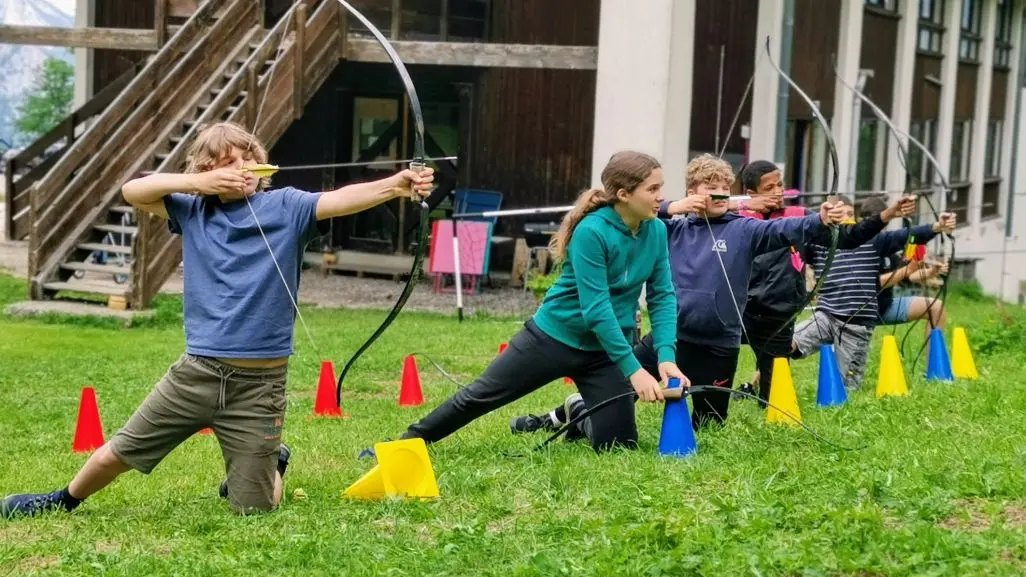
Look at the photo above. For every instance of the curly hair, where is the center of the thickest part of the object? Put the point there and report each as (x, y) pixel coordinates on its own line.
(708, 169)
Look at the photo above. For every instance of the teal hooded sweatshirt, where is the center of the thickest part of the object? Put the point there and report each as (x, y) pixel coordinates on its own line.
(592, 305)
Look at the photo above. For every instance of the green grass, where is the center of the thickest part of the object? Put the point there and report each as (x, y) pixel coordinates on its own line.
(938, 491)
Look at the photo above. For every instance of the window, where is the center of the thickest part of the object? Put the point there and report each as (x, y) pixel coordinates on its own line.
(992, 154)
(921, 168)
(961, 140)
(888, 5)
(931, 26)
(969, 42)
(1003, 39)
(864, 168)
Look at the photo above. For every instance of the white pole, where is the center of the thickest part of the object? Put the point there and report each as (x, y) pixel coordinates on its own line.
(456, 268)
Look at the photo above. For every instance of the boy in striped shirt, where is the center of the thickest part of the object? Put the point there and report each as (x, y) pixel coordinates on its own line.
(846, 309)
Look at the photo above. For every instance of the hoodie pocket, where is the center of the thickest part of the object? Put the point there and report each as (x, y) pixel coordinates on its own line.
(705, 312)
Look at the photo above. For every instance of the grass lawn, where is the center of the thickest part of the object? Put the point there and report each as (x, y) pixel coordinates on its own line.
(940, 489)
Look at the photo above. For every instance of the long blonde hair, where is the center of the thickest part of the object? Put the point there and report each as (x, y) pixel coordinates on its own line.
(216, 141)
(624, 171)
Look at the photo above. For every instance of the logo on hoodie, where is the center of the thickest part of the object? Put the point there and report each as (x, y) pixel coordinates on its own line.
(720, 245)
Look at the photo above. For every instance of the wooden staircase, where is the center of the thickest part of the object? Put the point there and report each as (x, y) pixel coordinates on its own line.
(220, 65)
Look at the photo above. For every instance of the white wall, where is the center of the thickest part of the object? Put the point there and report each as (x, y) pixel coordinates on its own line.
(643, 84)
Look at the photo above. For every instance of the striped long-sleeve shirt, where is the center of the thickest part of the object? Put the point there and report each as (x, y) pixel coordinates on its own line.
(854, 278)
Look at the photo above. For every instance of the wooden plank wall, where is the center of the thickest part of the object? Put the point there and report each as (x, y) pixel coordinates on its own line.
(109, 64)
(728, 23)
(817, 29)
(879, 45)
(532, 129)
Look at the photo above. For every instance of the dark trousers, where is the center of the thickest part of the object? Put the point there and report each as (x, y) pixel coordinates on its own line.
(759, 330)
(702, 365)
(532, 360)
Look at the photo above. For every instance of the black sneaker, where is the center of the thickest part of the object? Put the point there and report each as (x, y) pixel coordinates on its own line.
(31, 504)
(532, 423)
(284, 454)
(747, 388)
(574, 406)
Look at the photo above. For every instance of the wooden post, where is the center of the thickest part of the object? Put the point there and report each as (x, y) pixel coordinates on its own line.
(35, 289)
(397, 19)
(252, 95)
(343, 31)
(160, 22)
(443, 25)
(298, 98)
(9, 199)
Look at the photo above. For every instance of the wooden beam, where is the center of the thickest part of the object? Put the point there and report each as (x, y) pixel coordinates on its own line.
(160, 21)
(477, 54)
(357, 48)
(108, 38)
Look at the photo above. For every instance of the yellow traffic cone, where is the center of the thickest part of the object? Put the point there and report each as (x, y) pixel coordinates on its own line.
(890, 380)
(403, 469)
(962, 363)
(782, 398)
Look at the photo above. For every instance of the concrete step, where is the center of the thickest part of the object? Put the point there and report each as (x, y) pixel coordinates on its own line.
(97, 287)
(94, 267)
(100, 247)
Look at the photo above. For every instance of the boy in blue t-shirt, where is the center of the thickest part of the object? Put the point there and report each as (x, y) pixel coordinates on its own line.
(239, 315)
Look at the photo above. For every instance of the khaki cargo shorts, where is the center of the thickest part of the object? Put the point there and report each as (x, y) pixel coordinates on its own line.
(245, 407)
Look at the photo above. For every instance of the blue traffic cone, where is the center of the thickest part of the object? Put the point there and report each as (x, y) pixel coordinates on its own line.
(831, 386)
(677, 437)
(938, 368)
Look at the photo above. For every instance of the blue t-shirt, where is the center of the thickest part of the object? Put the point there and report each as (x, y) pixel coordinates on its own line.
(236, 305)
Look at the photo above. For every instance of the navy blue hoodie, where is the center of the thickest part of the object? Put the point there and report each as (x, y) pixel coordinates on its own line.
(705, 313)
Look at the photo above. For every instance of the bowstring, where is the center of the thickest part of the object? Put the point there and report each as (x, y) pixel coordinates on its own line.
(249, 147)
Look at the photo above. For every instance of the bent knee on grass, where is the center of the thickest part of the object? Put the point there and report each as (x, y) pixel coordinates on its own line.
(926, 307)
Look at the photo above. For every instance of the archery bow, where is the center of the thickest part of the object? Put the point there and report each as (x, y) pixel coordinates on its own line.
(834, 233)
(904, 155)
(416, 165)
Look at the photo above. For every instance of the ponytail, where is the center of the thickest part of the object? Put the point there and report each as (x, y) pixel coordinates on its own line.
(626, 170)
(589, 201)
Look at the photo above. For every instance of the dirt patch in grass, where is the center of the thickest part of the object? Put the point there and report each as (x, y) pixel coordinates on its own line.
(1015, 515)
(969, 516)
(37, 563)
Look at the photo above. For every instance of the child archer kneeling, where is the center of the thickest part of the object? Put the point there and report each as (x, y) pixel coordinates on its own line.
(611, 244)
(711, 253)
(239, 318)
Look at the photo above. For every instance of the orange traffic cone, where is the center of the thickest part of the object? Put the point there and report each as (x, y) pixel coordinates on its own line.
(88, 429)
(326, 404)
(568, 381)
(206, 431)
(410, 395)
(502, 347)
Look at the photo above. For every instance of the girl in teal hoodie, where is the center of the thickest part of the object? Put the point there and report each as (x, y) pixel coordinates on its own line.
(611, 244)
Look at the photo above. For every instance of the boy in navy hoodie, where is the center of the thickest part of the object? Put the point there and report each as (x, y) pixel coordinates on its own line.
(711, 253)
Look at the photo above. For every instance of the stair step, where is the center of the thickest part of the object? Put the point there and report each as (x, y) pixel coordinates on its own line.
(123, 209)
(117, 228)
(93, 267)
(110, 288)
(100, 247)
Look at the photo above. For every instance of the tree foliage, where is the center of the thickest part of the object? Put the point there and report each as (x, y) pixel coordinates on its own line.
(50, 100)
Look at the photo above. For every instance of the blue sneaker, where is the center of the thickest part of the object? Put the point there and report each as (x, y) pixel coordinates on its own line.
(284, 454)
(31, 504)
